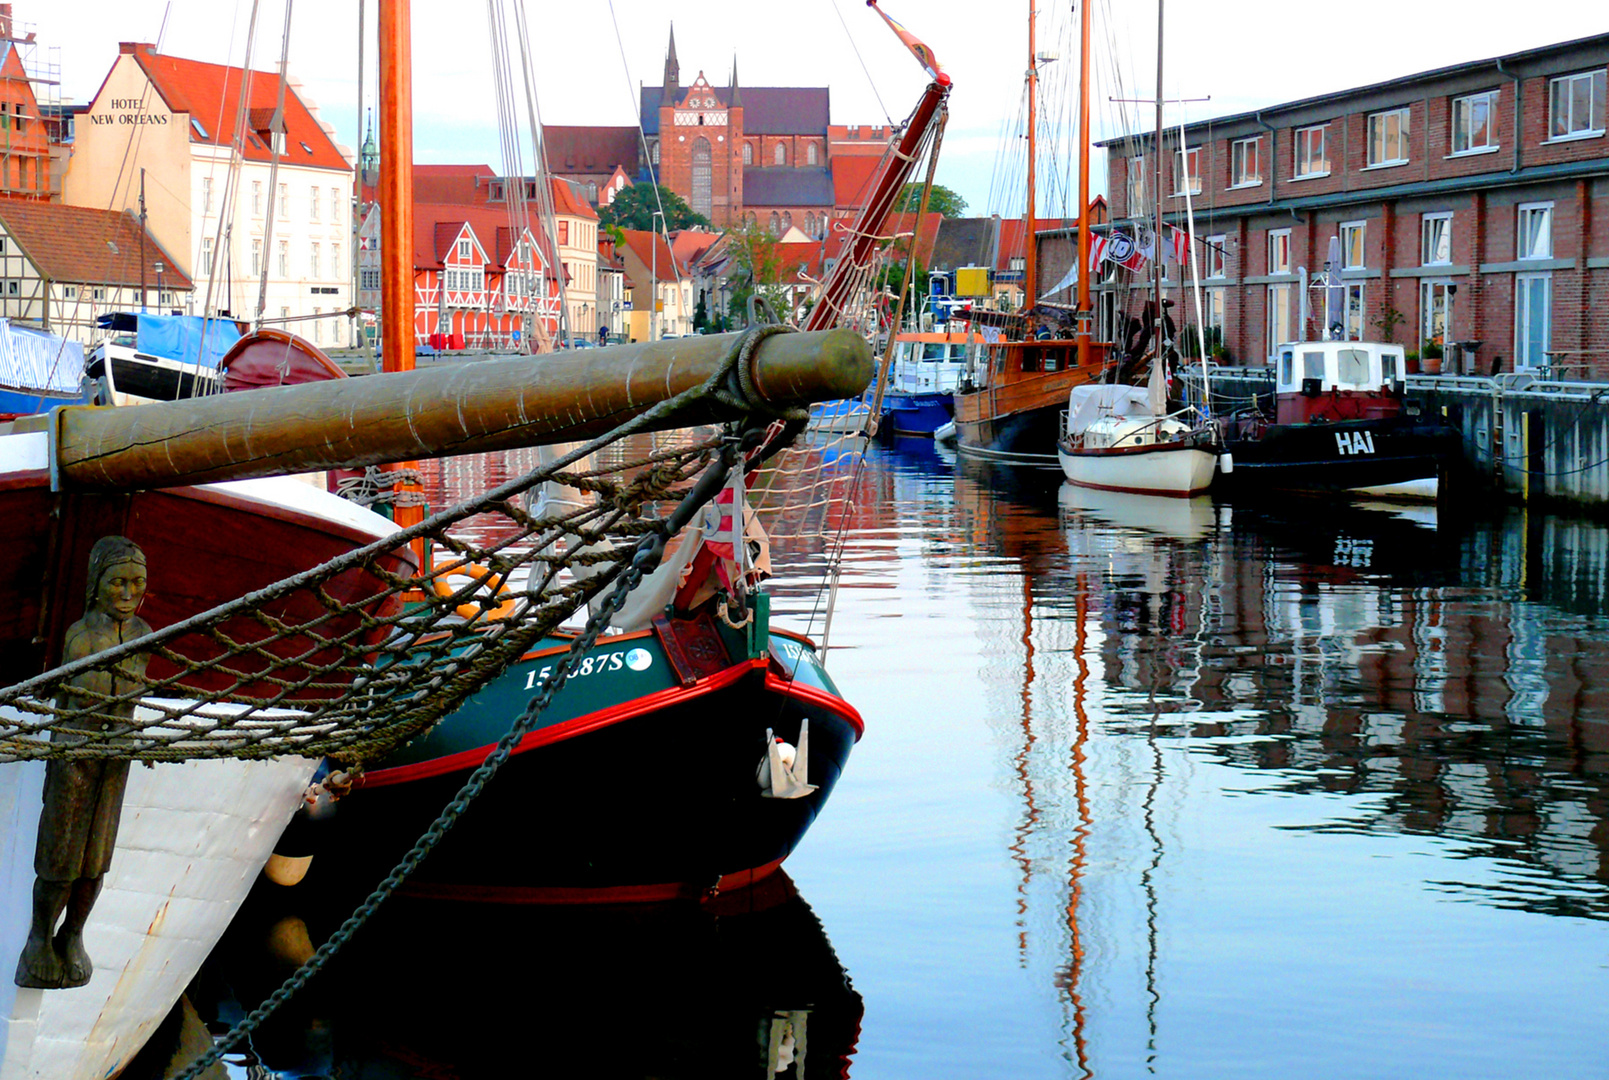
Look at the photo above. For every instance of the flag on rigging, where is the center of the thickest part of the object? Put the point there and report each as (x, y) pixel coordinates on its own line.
(1178, 245)
(923, 54)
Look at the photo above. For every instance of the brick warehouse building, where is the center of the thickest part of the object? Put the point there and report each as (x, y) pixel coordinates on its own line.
(738, 154)
(1472, 201)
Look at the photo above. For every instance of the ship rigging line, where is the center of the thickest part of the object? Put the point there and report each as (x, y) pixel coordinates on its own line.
(137, 133)
(276, 145)
(856, 49)
(653, 172)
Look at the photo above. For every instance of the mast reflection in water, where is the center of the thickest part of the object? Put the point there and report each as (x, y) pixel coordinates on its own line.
(1149, 787)
(1164, 786)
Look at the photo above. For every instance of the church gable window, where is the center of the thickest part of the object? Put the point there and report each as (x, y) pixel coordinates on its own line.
(810, 154)
(701, 176)
(748, 153)
(782, 154)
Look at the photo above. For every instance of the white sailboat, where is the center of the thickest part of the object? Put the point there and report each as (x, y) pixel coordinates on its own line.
(1117, 437)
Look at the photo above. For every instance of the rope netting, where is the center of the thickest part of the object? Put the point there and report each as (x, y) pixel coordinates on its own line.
(353, 657)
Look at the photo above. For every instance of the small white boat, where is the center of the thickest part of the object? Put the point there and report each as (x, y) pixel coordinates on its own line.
(1113, 440)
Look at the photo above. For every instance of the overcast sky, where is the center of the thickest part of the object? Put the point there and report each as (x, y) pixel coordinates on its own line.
(1242, 54)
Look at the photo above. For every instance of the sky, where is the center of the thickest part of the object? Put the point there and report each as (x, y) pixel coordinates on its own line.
(588, 57)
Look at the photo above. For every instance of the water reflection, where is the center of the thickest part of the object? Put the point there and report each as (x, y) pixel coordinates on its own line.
(745, 986)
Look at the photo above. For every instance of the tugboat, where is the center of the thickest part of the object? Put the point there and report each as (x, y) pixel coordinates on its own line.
(1341, 424)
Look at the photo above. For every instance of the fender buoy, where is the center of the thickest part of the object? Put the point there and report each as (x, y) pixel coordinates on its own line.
(491, 582)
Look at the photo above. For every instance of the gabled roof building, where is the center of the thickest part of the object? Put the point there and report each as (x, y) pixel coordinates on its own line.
(62, 267)
(171, 121)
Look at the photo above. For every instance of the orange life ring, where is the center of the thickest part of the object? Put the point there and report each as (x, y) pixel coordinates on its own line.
(492, 582)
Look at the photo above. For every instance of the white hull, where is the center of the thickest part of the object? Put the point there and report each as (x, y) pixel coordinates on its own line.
(1153, 469)
(840, 417)
(1423, 490)
(193, 839)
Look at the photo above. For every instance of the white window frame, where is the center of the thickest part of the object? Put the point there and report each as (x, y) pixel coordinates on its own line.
(314, 262)
(1524, 360)
(1346, 231)
(463, 249)
(284, 258)
(1187, 165)
(1435, 230)
(1279, 240)
(1387, 138)
(1136, 184)
(257, 198)
(312, 204)
(1216, 258)
(1216, 300)
(1525, 217)
(206, 255)
(1277, 322)
(206, 194)
(1468, 104)
(1590, 126)
(1239, 175)
(1428, 289)
(1352, 317)
(1304, 164)
(284, 200)
(256, 257)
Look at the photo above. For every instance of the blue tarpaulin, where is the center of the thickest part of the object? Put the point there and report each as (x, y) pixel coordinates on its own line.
(176, 337)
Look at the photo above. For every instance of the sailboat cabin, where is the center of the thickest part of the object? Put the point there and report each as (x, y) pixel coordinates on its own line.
(1337, 380)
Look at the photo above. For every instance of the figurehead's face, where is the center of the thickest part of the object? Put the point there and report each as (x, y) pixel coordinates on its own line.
(121, 588)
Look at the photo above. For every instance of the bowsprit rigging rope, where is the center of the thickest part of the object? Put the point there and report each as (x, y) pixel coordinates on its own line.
(354, 656)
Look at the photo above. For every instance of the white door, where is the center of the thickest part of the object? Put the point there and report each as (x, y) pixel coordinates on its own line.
(1532, 296)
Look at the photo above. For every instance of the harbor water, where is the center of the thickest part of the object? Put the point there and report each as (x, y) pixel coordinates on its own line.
(1148, 788)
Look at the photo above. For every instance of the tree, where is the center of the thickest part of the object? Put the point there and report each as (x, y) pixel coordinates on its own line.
(758, 269)
(634, 207)
(940, 201)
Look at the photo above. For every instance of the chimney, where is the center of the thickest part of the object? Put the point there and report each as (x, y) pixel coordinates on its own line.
(129, 48)
(5, 20)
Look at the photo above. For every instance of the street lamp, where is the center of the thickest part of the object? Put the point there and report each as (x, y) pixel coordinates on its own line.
(653, 300)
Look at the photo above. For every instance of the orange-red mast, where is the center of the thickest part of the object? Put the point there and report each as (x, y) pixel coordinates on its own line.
(396, 209)
(1029, 283)
(1084, 315)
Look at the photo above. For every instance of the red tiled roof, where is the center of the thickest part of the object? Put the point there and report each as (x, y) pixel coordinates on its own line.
(852, 180)
(643, 245)
(210, 94)
(566, 201)
(463, 184)
(689, 245)
(591, 149)
(1011, 246)
(87, 245)
(925, 236)
(791, 258)
(437, 225)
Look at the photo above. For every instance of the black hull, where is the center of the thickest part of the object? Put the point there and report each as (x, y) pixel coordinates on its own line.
(655, 806)
(1028, 437)
(1342, 457)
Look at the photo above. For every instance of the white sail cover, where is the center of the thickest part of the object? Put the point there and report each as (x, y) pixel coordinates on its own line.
(35, 360)
(1098, 401)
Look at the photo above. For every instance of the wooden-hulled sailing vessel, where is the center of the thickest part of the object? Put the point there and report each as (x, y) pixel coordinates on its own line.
(203, 487)
(1012, 410)
(689, 755)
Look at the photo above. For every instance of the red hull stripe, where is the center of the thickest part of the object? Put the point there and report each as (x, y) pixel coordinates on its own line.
(607, 894)
(1165, 493)
(581, 725)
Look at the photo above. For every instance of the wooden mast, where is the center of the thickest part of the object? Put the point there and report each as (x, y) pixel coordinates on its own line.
(396, 211)
(1084, 315)
(1030, 291)
(437, 411)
